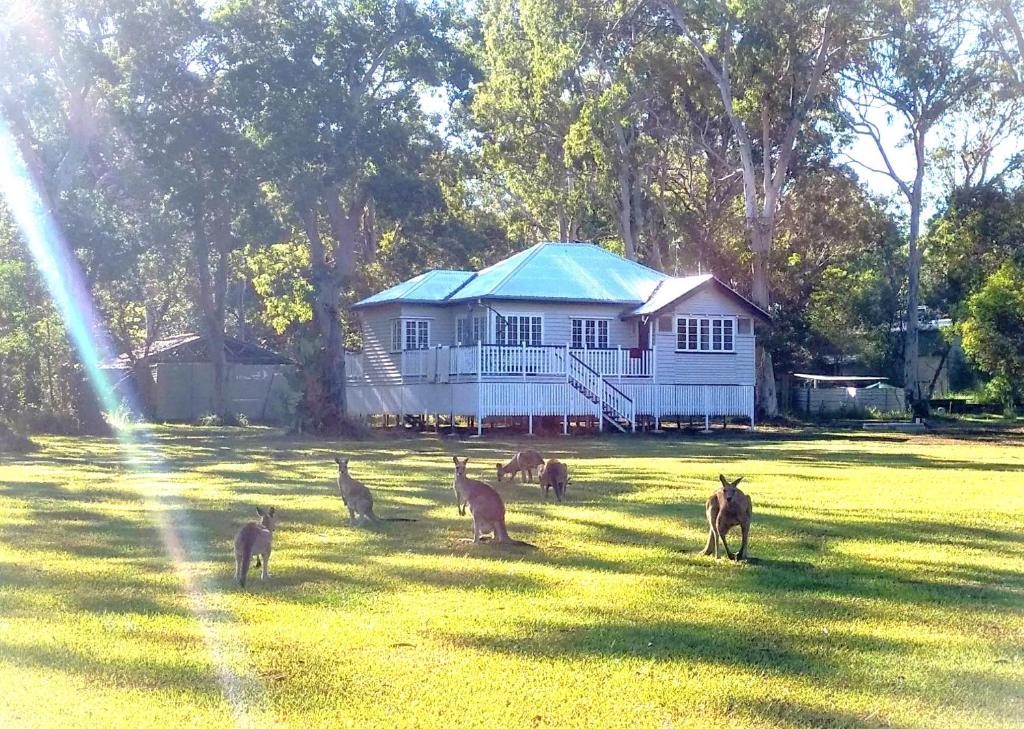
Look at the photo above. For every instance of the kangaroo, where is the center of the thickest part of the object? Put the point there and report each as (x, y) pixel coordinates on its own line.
(726, 508)
(254, 538)
(554, 475)
(523, 463)
(485, 505)
(356, 496)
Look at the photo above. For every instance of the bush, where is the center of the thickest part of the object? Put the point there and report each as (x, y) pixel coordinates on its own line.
(14, 441)
(215, 421)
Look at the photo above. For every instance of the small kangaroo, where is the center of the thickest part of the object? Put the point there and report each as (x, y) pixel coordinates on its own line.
(485, 505)
(356, 496)
(523, 463)
(726, 508)
(255, 538)
(554, 475)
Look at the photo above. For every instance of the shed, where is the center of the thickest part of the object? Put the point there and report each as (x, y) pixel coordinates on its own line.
(182, 379)
(845, 394)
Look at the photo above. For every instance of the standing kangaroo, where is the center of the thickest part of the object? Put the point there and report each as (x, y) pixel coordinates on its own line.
(523, 463)
(554, 475)
(485, 505)
(356, 496)
(726, 508)
(254, 538)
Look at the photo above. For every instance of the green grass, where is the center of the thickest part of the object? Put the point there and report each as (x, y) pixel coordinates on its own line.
(886, 589)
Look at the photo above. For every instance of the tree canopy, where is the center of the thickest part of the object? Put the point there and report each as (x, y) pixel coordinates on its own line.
(251, 168)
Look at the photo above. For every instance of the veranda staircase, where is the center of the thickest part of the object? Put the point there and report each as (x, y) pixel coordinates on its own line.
(617, 408)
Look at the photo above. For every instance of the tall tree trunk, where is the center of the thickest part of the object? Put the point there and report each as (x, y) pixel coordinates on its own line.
(911, 386)
(212, 287)
(938, 370)
(326, 403)
(626, 215)
(760, 245)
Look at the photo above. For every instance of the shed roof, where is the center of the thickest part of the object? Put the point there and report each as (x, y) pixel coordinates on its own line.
(191, 347)
(838, 378)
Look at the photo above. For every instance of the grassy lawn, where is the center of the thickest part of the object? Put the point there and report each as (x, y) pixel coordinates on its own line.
(886, 589)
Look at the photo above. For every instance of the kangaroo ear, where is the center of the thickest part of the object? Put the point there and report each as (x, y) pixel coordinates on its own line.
(737, 481)
(455, 459)
(723, 479)
(337, 460)
(272, 510)
(259, 510)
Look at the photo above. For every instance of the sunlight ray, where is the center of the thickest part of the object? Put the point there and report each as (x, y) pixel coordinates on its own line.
(62, 276)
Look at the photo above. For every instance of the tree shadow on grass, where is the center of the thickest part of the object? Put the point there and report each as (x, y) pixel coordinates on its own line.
(148, 673)
(722, 643)
(794, 713)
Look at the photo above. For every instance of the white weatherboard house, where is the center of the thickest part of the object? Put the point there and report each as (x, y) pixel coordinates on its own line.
(560, 329)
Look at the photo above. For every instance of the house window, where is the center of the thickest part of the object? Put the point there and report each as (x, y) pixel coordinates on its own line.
(589, 334)
(705, 334)
(469, 330)
(518, 329)
(743, 325)
(410, 334)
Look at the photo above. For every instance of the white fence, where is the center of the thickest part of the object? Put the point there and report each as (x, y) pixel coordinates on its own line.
(510, 399)
(664, 401)
(444, 363)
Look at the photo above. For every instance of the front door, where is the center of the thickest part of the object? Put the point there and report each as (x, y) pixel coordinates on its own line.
(643, 339)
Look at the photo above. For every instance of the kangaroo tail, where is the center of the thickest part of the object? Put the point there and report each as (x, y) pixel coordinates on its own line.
(519, 543)
(502, 537)
(246, 560)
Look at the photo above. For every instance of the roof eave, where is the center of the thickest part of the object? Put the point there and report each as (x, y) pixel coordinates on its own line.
(755, 309)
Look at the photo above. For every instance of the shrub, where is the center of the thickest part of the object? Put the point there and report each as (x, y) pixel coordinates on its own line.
(13, 440)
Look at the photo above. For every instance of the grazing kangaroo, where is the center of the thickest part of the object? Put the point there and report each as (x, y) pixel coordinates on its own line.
(485, 505)
(523, 463)
(554, 475)
(726, 508)
(254, 538)
(356, 496)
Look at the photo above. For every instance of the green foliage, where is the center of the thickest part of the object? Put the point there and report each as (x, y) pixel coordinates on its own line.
(979, 229)
(278, 275)
(838, 273)
(993, 330)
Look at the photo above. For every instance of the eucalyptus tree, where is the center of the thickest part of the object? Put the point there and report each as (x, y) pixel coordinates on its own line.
(774, 66)
(172, 102)
(329, 94)
(532, 60)
(919, 69)
(58, 81)
(633, 132)
(1000, 21)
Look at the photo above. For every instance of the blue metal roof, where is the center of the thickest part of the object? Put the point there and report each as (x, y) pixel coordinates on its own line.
(432, 287)
(563, 272)
(578, 272)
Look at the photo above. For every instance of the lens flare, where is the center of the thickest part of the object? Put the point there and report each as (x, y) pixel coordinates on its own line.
(63, 278)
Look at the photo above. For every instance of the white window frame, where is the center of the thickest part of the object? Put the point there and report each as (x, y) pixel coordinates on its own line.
(401, 333)
(501, 322)
(704, 331)
(597, 321)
